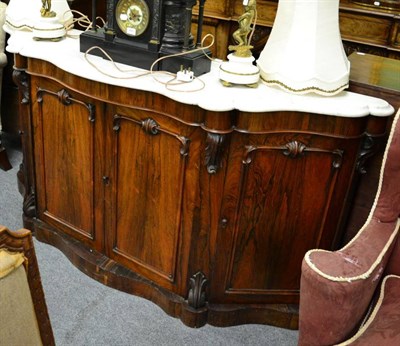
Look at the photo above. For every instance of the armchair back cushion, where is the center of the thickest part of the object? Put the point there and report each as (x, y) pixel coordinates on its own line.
(24, 319)
(18, 325)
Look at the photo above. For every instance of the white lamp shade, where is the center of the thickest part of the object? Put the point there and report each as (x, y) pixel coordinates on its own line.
(24, 14)
(304, 52)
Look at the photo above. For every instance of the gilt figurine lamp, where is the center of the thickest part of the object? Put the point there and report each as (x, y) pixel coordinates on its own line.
(304, 52)
(239, 69)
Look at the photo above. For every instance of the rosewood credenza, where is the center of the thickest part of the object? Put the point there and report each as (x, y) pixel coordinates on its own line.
(203, 202)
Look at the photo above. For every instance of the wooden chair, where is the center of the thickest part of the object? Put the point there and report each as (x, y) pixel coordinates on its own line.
(352, 296)
(24, 317)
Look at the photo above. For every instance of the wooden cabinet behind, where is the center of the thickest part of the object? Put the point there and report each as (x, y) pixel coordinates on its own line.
(368, 29)
(208, 214)
(373, 29)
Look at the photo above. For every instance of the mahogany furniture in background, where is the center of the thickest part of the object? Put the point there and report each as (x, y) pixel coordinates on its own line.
(375, 76)
(379, 77)
(384, 4)
(206, 213)
(370, 29)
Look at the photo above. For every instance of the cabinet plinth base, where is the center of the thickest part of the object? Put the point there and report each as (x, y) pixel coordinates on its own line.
(112, 274)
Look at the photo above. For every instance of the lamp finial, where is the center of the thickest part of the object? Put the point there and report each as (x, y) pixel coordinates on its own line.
(46, 11)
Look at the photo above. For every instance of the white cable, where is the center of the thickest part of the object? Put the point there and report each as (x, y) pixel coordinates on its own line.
(167, 84)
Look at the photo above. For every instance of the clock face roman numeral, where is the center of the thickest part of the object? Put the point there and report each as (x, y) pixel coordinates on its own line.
(132, 16)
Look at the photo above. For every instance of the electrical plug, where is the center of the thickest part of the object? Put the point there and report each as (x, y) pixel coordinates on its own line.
(185, 75)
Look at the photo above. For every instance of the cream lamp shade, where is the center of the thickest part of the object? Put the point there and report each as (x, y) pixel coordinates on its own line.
(26, 15)
(304, 52)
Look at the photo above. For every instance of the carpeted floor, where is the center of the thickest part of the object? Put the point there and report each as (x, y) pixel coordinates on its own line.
(85, 312)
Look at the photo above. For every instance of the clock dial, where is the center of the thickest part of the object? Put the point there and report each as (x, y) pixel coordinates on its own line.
(132, 16)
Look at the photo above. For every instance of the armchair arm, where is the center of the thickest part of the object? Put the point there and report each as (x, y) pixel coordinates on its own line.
(337, 287)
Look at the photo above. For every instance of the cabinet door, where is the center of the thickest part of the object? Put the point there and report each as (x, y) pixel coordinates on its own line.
(283, 195)
(154, 163)
(67, 142)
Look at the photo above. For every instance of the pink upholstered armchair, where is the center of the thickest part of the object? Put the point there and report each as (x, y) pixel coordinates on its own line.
(352, 296)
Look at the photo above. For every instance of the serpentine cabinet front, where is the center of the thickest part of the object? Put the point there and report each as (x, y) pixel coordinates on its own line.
(208, 214)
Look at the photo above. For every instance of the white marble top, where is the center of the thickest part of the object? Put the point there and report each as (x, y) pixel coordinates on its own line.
(215, 97)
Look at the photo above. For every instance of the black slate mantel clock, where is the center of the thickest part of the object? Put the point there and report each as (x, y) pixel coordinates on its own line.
(137, 32)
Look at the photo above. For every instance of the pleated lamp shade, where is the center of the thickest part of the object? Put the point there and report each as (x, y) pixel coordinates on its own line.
(304, 52)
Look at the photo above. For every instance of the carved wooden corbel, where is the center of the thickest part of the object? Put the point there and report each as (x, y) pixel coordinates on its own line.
(197, 290)
(214, 151)
(29, 204)
(368, 149)
(21, 79)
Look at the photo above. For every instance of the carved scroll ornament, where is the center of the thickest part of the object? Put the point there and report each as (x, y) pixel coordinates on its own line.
(65, 98)
(151, 127)
(293, 150)
(214, 151)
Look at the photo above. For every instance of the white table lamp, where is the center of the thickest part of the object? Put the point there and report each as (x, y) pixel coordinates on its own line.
(304, 52)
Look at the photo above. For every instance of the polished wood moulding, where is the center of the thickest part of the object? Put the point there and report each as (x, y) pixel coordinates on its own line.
(111, 273)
